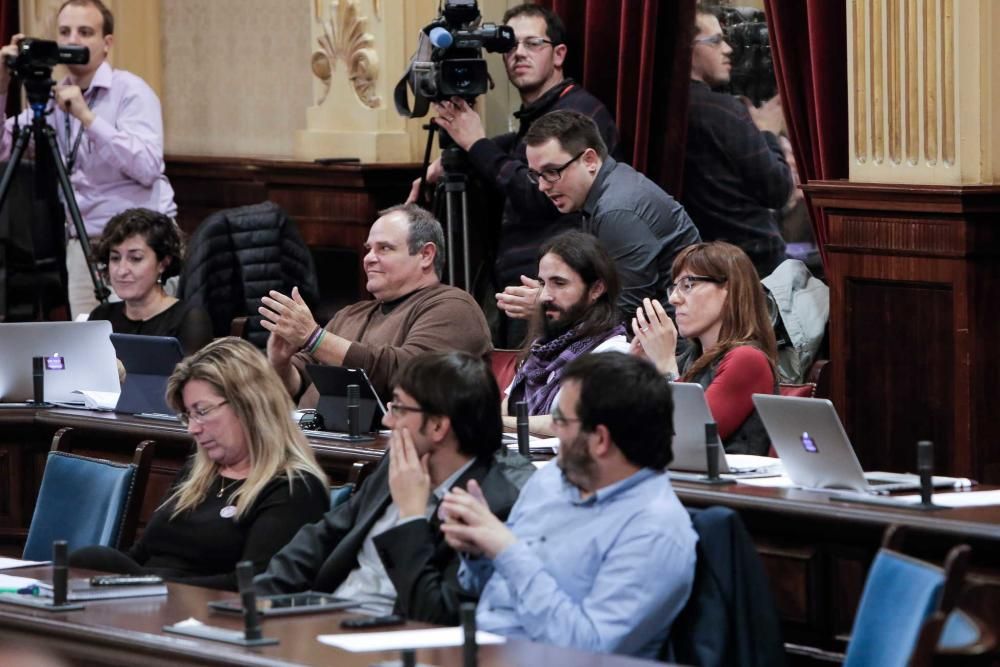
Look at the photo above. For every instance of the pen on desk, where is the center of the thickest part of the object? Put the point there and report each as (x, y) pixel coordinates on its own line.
(27, 590)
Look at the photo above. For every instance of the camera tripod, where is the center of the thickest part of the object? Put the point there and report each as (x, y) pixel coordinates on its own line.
(38, 91)
(453, 188)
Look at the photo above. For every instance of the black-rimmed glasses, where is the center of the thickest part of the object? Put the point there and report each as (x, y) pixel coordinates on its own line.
(397, 410)
(552, 174)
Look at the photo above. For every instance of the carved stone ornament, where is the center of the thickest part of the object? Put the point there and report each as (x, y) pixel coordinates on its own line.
(344, 39)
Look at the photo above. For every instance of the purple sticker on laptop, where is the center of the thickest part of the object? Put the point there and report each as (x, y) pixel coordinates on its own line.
(808, 443)
(55, 363)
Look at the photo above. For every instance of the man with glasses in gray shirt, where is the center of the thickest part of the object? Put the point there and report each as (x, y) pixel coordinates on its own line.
(640, 225)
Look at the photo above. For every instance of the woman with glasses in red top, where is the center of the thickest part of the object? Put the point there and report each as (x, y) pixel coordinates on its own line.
(720, 308)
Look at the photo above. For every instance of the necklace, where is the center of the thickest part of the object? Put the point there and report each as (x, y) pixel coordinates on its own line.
(225, 485)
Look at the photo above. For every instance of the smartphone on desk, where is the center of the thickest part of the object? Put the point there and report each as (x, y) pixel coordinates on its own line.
(366, 622)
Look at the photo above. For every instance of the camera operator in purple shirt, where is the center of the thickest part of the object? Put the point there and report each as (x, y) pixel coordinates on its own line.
(109, 128)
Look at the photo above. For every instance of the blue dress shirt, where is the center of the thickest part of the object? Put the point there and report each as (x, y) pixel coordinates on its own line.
(608, 573)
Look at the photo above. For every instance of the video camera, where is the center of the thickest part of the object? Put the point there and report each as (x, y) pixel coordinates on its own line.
(752, 66)
(449, 59)
(36, 57)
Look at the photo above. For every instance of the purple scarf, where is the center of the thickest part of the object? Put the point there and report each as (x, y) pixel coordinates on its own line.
(541, 371)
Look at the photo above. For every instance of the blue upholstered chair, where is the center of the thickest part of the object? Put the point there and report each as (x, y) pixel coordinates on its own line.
(903, 607)
(87, 501)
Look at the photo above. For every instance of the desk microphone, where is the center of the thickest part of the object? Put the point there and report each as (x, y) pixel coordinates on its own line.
(925, 468)
(354, 410)
(60, 571)
(523, 432)
(470, 649)
(38, 379)
(712, 450)
(244, 580)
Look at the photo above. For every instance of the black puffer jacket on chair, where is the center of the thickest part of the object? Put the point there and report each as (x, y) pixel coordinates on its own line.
(239, 254)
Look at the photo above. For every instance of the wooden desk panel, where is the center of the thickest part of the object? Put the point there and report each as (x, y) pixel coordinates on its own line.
(817, 552)
(128, 633)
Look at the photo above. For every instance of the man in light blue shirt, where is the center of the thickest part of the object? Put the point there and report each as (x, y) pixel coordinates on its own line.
(597, 553)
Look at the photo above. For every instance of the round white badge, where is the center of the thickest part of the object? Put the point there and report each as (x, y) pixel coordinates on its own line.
(228, 512)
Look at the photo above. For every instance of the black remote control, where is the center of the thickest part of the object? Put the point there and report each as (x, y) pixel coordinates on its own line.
(364, 622)
(125, 580)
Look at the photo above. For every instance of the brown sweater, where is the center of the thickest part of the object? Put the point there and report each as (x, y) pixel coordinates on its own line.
(384, 335)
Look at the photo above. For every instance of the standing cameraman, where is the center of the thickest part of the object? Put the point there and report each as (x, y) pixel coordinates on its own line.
(109, 128)
(535, 68)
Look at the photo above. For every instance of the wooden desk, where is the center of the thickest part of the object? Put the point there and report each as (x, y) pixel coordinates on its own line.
(128, 632)
(817, 552)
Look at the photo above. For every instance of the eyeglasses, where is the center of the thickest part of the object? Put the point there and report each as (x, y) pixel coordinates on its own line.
(397, 410)
(687, 283)
(552, 174)
(715, 41)
(530, 43)
(198, 415)
(559, 420)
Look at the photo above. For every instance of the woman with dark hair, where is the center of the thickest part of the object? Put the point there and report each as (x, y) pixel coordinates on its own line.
(138, 251)
(720, 307)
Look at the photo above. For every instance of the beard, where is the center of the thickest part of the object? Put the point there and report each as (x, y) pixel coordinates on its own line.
(568, 318)
(577, 465)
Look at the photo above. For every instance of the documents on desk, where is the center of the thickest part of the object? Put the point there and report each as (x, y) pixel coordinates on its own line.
(362, 642)
(958, 499)
(13, 563)
(98, 400)
(80, 590)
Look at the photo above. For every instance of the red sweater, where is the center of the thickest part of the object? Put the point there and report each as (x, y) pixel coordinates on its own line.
(744, 371)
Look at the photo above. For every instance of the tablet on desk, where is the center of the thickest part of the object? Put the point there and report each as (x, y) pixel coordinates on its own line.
(308, 602)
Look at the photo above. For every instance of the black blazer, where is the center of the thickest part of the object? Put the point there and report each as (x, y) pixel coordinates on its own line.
(421, 565)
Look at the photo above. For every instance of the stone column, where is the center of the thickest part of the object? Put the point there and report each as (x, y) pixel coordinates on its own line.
(923, 103)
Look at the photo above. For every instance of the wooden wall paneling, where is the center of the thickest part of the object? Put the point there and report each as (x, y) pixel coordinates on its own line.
(332, 205)
(914, 288)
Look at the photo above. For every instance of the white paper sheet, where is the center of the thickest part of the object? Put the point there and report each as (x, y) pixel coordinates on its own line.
(98, 400)
(9, 583)
(961, 499)
(751, 463)
(11, 563)
(780, 481)
(361, 642)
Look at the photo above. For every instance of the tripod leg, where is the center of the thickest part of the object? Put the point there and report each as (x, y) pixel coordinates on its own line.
(16, 153)
(101, 291)
(465, 241)
(449, 222)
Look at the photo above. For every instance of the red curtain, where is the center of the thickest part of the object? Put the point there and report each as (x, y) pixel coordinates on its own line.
(809, 47)
(633, 55)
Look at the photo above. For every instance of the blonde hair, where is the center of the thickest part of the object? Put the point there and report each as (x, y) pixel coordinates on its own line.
(745, 320)
(241, 374)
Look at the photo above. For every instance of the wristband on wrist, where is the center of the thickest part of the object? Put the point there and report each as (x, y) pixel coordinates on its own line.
(319, 339)
(671, 376)
(312, 338)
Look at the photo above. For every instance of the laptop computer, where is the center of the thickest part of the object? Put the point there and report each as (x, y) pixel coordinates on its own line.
(331, 383)
(691, 413)
(78, 355)
(148, 362)
(816, 452)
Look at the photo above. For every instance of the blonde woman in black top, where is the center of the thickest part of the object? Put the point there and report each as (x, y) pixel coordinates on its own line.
(251, 484)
